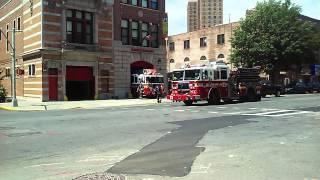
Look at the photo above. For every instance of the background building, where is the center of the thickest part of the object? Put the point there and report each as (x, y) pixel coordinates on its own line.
(64, 51)
(192, 16)
(138, 40)
(204, 13)
(210, 44)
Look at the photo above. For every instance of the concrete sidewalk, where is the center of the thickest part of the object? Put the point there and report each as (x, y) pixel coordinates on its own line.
(29, 104)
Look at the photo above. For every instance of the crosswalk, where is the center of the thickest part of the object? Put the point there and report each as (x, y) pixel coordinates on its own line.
(263, 112)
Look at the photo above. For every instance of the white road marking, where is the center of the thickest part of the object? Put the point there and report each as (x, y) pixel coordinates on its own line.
(269, 112)
(150, 109)
(253, 108)
(221, 107)
(40, 165)
(293, 113)
(179, 110)
(211, 112)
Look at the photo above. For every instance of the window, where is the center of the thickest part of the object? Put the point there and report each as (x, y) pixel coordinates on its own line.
(203, 58)
(8, 72)
(0, 34)
(134, 2)
(171, 61)
(186, 59)
(144, 3)
(171, 46)
(19, 23)
(144, 34)
(32, 70)
(186, 44)
(14, 24)
(79, 27)
(7, 40)
(221, 56)
(154, 4)
(135, 33)
(125, 32)
(203, 42)
(220, 39)
(154, 35)
(224, 73)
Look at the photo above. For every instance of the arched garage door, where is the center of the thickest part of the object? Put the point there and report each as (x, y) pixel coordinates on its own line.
(80, 83)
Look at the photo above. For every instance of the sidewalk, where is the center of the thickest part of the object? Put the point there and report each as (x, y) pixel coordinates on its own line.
(29, 104)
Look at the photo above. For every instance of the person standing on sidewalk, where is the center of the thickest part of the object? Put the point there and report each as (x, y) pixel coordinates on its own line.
(158, 93)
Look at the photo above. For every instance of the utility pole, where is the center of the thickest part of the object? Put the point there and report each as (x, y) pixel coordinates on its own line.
(13, 69)
(13, 65)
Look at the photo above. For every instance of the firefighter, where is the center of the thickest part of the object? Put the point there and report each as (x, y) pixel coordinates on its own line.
(158, 93)
(140, 90)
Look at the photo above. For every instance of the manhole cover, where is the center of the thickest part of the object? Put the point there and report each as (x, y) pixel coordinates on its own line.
(101, 176)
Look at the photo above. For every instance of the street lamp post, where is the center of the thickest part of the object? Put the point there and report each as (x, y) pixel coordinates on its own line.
(14, 94)
(13, 65)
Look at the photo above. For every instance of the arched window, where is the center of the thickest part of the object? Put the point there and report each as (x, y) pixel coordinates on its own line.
(203, 58)
(171, 61)
(221, 56)
(186, 59)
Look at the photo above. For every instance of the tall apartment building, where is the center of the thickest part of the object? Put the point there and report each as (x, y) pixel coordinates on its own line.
(204, 13)
(192, 15)
(138, 40)
(64, 51)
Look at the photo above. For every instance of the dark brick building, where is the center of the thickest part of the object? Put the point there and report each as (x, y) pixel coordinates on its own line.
(138, 40)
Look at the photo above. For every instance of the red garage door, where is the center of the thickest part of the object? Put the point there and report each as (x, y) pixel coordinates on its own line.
(80, 83)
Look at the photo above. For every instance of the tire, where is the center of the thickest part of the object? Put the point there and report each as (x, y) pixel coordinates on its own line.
(188, 102)
(278, 93)
(214, 98)
(258, 98)
(251, 95)
(263, 95)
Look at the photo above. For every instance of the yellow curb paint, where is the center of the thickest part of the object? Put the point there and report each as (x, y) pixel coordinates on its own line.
(8, 108)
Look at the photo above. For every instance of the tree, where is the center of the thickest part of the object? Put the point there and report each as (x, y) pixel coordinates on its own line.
(274, 34)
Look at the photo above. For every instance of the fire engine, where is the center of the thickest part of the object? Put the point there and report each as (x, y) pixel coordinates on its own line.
(147, 80)
(215, 82)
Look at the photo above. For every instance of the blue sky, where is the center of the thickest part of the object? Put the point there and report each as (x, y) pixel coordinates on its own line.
(177, 11)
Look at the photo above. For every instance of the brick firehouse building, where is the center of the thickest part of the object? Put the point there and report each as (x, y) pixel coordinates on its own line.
(81, 50)
(64, 51)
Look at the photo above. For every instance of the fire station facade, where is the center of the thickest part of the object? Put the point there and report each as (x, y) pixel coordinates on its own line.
(79, 50)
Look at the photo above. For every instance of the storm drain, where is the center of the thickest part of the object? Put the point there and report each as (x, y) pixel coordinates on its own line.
(101, 176)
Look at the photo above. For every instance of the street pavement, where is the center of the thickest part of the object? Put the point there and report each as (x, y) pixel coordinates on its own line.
(277, 138)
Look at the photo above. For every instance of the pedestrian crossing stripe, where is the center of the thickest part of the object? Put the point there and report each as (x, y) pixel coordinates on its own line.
(278, 113)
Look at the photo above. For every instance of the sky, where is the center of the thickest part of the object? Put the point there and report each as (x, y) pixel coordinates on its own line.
(177, 11)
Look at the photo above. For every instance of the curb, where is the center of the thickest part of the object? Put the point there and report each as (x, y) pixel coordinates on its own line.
(8, 108)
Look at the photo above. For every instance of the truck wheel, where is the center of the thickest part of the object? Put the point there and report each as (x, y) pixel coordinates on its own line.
(258, 98)
(278, 93)
(188, 102)
(251, 95)
(214, 98)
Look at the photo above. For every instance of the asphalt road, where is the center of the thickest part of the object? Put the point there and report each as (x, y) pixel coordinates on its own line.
(277, 138)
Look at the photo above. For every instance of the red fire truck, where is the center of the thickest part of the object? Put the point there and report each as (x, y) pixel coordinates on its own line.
(143, 84)
(215, 82)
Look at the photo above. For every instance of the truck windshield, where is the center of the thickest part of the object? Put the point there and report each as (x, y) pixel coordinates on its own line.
(177, 76)
(192, 74)
(154, 79)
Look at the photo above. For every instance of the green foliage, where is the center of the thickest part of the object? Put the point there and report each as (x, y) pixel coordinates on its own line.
(274, 33)
(3, 94)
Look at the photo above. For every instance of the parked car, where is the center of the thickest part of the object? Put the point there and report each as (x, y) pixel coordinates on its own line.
(297, 88)
(268, 88)
(313, 87)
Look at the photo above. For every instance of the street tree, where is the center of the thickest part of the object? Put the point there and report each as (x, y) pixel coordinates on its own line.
(274, 36)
